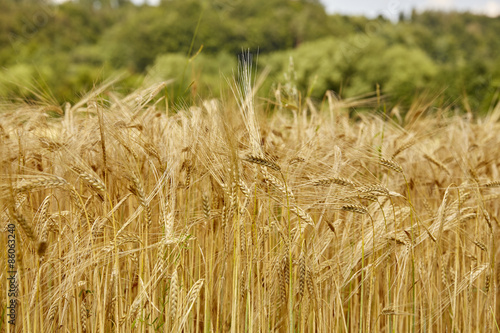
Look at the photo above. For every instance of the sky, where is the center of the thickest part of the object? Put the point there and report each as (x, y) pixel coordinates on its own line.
(391, 8)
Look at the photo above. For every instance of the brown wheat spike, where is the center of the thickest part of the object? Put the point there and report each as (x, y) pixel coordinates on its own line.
(243, 283)
(52, 310)
(129, 149)
(487, 219)
(282, 278)
(334, 180)
(269, 178)
(481, 246)
(174, 289)
(495, 183)
(246, 192)
(243, 238)
(169, 225)
(302, 274)
(110, 299)
(83, 314)
(263, 161)
(388, 311)
(189, 169)
(397, 240)
(444, 269)
(43, 244)
(141, 195)
(42, 211)
(403, 148)
(286, 266)
(39, 182)
(302, 214)
(369, 197)
(75, 197)
(126, 237)
(151, 150)
(375, 190)
(193, 294)
(355, 209)
(391, 165)
(233, 203)
(305, 313)
(35, 289)
(469, 288)
(437, 163)
(310, 285)
(206, 207)
(136, 304)
(243, 188)
(92, 181)
(427, 206)
(25, 225)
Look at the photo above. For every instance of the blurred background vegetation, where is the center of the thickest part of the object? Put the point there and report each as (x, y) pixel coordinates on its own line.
(58, 52)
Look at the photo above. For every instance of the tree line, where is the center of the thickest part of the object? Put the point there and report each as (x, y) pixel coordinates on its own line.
(58, 52)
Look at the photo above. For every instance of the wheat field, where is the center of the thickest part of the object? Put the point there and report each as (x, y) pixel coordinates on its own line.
(248, 215)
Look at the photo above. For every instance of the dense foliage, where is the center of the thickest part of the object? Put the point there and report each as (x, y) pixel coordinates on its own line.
(58, 52)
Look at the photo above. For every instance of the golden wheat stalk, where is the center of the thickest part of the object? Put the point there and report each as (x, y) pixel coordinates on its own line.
(285, 190)
(30, 183)
(25, 225)
(334, 180)
(437, 163)
(141, 195)
(302, 214)
(393, 165)
(89, 179)
(174, 290)
(495, 183)
(83, 314)
(355, 209)
(263, 161)
(206, 207)
(302, 273)
(191, 298)
(374, 189)
(402, 148)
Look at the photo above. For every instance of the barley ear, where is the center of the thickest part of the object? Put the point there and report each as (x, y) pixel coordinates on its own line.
(174, 289)
(393, 165)
(263, 161)
(302, 274)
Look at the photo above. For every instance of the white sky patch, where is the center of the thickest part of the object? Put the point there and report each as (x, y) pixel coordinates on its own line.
(440, 4)
(391, 8)
(490, 8)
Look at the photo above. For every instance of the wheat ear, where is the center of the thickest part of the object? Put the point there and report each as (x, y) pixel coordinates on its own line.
(141, 195)
(39, 182)
(355, 209)
(334, 180)
(89, 179)
(393, 165)
(263, 161)
(174, 289)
